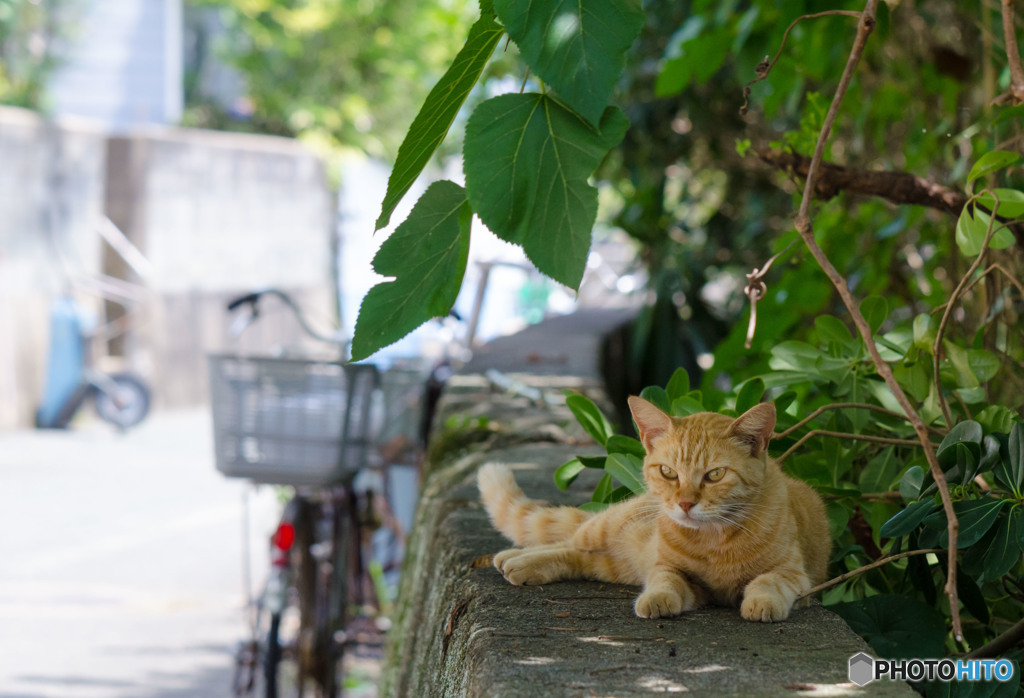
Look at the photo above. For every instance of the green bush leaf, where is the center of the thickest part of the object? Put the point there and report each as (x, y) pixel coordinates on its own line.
(750, 394)
(604, 489)
(685, 406)
(1015, 462)
(976, 517)
(567, 472)
(910, 483)
(626, 445)
(577, 48)
(990, 162)
(972, 597)
(961, 364)
(678, 385)
(968, 433)
(1018, 515)
(1011, 202)
(527, 160)
(830, 328)
(628, 470)
(1003, 551)
(880, 472)
(596, 462)
(874, 309)
(896, 626)
(657, 396)
(438, 112)
(427, 256)
(590, 417)
(984, 364)
(972, 228)
(907, 520)
(996, 418)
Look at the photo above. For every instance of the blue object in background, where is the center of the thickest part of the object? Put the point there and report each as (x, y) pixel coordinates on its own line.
(67, 360)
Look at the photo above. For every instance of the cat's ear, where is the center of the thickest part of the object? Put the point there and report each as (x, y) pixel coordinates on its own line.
(754, 427)
(650, 421)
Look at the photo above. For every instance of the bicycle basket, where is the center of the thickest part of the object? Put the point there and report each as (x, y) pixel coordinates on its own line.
(403, 395)
(290, 421)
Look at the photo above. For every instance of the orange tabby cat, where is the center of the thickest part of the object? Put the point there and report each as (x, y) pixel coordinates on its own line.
(720, 523)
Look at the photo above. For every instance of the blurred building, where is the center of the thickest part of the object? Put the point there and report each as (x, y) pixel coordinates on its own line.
(123, 66)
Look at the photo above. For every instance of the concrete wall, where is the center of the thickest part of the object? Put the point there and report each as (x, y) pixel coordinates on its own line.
(215, 214)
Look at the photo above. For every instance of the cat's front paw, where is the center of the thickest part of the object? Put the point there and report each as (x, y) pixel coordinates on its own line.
(764, 606)
(659, 604)
(523, 567)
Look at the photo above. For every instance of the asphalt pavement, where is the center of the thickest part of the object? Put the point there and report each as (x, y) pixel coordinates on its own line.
(121, 561)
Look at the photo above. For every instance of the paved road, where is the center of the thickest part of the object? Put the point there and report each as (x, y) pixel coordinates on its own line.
(121, 562)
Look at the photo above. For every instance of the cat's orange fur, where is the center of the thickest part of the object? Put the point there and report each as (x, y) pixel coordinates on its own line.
(743, 535)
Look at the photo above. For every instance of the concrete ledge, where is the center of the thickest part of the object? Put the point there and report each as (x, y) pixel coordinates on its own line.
(461, 630)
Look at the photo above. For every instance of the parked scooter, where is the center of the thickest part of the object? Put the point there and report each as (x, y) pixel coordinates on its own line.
(122, 399)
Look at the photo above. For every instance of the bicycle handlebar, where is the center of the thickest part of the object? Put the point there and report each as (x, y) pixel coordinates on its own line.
(252, 300)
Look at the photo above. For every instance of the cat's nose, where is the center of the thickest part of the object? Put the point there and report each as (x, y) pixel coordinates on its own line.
(686, 506)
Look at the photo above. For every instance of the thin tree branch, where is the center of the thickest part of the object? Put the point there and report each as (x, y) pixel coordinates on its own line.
(897, 187)
(1012, 52)
(937, 347)
(1000, 644)
(764, 68)
(860, 570)
(844, 435)
(995, 266)
(842, 406)
(804, 227)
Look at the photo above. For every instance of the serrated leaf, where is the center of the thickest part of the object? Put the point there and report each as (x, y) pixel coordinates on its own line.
(439, 110)
(990, 162)
(678, 384)
(527, 160)
(590, 417)
(577, 48)
(427, 256)
(1003, 550)
(626, 445)
(628, 470)
(567, 472)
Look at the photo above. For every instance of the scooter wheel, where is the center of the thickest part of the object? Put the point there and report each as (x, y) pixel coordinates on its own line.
(128, 406)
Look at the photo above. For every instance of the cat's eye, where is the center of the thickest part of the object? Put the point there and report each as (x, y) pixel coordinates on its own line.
(714, 475)
(668, 473)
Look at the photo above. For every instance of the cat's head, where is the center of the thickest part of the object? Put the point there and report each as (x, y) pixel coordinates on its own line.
(706, 468)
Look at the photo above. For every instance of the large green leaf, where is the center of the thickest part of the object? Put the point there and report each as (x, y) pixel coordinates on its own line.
(438, 111)
(678, 384)
(627, 445)
(590, 417)
(908, 519)
(1003, 551)
(427, 255)
(991, 162)
(579, 48)
(976, 517)
(527, 159)
(880, 472)
(1011, 202)
(567, 472)
(628, 470)
(896, 626)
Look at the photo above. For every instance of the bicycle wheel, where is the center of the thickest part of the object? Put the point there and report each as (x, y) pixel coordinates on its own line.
(332, 607)
(127, 405)
(272, 656)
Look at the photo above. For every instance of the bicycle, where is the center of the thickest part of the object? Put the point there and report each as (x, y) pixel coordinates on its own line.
(312, 424)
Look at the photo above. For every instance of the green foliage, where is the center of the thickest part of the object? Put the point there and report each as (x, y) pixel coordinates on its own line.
(435, 238)
(31, 36)
(527, 158)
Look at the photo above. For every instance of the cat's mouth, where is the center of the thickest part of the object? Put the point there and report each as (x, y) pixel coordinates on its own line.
(686, 520)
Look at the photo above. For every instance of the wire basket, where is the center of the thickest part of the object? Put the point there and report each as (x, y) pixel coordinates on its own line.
(291, 421)
(403, 398)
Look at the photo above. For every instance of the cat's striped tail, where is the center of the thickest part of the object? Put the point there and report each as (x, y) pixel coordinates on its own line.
(521, 519)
